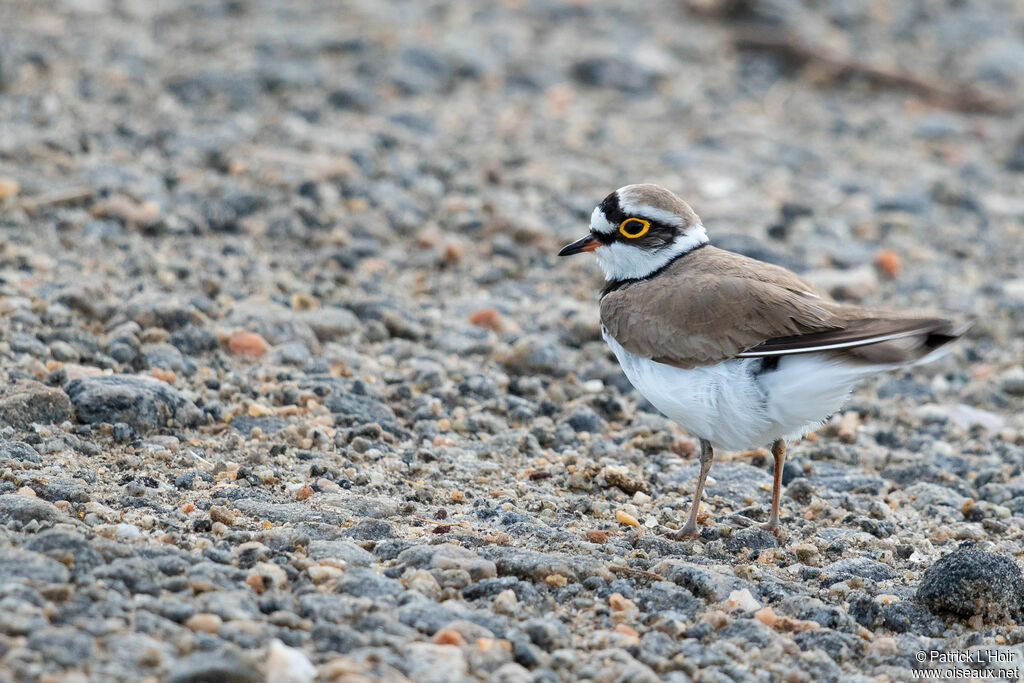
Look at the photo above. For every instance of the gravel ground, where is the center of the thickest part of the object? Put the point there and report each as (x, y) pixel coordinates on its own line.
(294, 386)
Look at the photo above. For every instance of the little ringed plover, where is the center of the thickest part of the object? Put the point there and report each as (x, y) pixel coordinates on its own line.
(738, 352)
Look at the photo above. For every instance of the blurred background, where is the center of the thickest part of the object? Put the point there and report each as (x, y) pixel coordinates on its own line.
(327, 229)
(810, 133)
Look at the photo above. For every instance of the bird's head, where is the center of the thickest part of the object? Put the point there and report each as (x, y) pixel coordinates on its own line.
(637, 230)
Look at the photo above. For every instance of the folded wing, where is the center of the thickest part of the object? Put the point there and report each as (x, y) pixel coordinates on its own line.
(713, 305)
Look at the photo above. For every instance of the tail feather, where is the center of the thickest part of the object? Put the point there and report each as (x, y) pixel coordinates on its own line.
(928, 344)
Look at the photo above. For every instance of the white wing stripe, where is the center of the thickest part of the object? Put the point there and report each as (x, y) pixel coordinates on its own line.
(830, 347)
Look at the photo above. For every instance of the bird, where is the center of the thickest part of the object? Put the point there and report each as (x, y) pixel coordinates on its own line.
(739, 352)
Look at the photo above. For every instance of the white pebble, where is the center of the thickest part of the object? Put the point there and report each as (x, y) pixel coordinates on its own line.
(288, 664)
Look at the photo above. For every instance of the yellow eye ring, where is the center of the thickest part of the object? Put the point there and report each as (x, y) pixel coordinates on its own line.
(624, 227)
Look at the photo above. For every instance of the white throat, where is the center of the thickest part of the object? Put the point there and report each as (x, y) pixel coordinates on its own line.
(621, 261)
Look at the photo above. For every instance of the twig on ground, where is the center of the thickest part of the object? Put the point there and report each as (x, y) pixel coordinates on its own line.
(960, 97)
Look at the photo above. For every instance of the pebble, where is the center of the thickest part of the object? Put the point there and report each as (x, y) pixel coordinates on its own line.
(742, 600)
(204, 623)
(222, 665)
(8, 188)
(247, 344)
(432, 663)
(143, 403)
(623, 517)
(288, 664)
(969, 582)
(26, 402)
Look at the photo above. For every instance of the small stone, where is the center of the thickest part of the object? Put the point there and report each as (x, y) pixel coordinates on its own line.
(127, 210)
(204, 623)
(432, 663)
(448, 637)
(888, 262)
(506, 603)
(1012, 381)
(742, 600)
(127, 532)
(556, 580)
(288, 664)
(806, 553)
(271, 575)
(305, 492)
(619, 477)
(25, 508)
(167, 376)
(27, 402)
(488, 318)
(623, 517)
(18, 450)
(596, 536)
(219, 513)
(255, 582)
(321, 574)
(63, 646)
(16, 563)
(547, 634)
(143, 403)
(768, 617)
(423, 582)
(622, 607)
(222, 665)
(973, 582)
(625, 75)
(247, 344)
(8, 187)
(848, 426)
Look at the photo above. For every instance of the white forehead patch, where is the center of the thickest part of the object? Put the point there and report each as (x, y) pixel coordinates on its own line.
(647, 211)
(599, 222)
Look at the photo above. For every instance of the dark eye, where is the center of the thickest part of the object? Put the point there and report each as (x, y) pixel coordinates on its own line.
(634, 227)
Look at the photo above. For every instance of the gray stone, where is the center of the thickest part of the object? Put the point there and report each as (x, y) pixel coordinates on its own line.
(156, 309)
(16, 563)
(352, 409)
(18, 450)
(343, 550)
(142, 402)
(27, 508)
(863, 567)
(447, 556)
(67, 545)
(617, 73)
(537, 355)
(966, 582)
(273, 322)
(547, 634)
(217, 666)
(26, 402)
(751, 538)
(365, 582)
(130, 574)
(167, 357)
(841, 647)
(64, 646)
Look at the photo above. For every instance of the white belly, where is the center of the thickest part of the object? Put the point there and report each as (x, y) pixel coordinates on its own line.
(734, 408)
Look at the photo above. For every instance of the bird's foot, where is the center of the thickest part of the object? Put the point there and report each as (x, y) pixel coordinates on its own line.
(773, 527)
(687, 533)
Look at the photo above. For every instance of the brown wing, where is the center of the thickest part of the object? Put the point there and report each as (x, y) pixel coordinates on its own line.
(713, 305)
